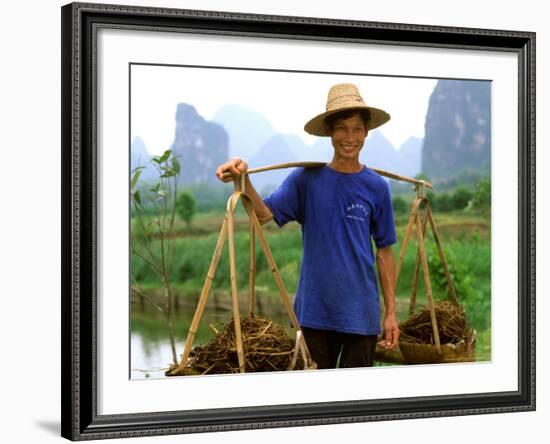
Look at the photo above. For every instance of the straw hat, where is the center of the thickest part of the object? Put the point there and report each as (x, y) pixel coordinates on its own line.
(342, 97)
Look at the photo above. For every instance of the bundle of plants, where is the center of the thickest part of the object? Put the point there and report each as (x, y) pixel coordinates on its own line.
(451, 323)
(266, 346)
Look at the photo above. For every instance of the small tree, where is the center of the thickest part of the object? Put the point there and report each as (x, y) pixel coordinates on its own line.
(481, 198)
(444, 202)
(154, 209)
(185, 206)
(460, 198)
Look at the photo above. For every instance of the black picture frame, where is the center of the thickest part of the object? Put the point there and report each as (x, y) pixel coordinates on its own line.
(80, 420)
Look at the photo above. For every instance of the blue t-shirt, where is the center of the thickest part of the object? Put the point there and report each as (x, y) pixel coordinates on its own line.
(339, 213)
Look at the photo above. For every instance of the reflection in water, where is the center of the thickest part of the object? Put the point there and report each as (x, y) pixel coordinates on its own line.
(150, 352)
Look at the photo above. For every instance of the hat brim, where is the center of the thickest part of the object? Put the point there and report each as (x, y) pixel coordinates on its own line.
(317, 127)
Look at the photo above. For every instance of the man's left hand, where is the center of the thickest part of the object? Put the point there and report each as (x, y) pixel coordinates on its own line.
(391, 330)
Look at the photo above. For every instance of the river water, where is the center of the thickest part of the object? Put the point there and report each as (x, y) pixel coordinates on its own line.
(150, 350)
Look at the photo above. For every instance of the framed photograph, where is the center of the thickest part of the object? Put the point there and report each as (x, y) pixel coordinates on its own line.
(184, 311)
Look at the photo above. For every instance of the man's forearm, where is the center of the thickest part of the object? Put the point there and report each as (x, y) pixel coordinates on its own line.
(260, 208)
(386, 274)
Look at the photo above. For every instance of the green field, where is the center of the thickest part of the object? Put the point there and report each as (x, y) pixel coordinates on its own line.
(465, 237)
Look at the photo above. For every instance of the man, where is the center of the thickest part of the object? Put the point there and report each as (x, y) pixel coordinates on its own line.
(340, 207)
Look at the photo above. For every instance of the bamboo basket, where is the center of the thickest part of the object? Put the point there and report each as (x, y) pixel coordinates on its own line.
(463, 351)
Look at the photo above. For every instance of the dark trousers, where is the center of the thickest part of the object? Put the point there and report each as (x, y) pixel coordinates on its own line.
(354, 350)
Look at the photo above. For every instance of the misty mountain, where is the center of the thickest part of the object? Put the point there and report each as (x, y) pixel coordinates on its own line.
(378, 152)
(320, 151)
(201, 146)
(278, 149)
(139, 156)
(247, 130)
(411, 157)
(457, 129)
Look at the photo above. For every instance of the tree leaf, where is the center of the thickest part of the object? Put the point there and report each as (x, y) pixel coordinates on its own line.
(165, 156)
(176, 165)
(135, 178)
(137, 197)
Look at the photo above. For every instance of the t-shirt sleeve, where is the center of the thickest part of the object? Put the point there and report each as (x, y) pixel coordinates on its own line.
(383, 227)
(286, 202)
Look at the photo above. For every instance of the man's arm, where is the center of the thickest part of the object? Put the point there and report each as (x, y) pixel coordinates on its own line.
(237, 167)
(386, 274)
(260, 208)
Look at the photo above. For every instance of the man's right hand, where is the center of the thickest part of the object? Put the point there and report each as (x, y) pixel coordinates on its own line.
(235, 167)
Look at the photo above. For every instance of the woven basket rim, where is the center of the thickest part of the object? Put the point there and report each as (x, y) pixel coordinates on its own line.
(469, 339)
(415, 353)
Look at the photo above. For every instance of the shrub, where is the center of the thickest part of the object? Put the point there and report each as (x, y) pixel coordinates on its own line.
(460, 198)
(444, 202)
(400, 205)
(482, 194)
(185, 206)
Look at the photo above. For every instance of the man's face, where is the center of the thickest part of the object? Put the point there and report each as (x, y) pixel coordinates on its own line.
(348, 136)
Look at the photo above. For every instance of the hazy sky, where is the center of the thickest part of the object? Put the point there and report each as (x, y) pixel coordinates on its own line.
(287, 100)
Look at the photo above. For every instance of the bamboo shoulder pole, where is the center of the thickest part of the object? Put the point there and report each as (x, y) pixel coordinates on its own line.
(442, 257)
(204, 294)
(412, 302)
(239, 184)
(233, 277)
(296, 350)
(252, 271)
(408, 230)
(306, 356)
(309, 164)
(271, 261)
(427, 283)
